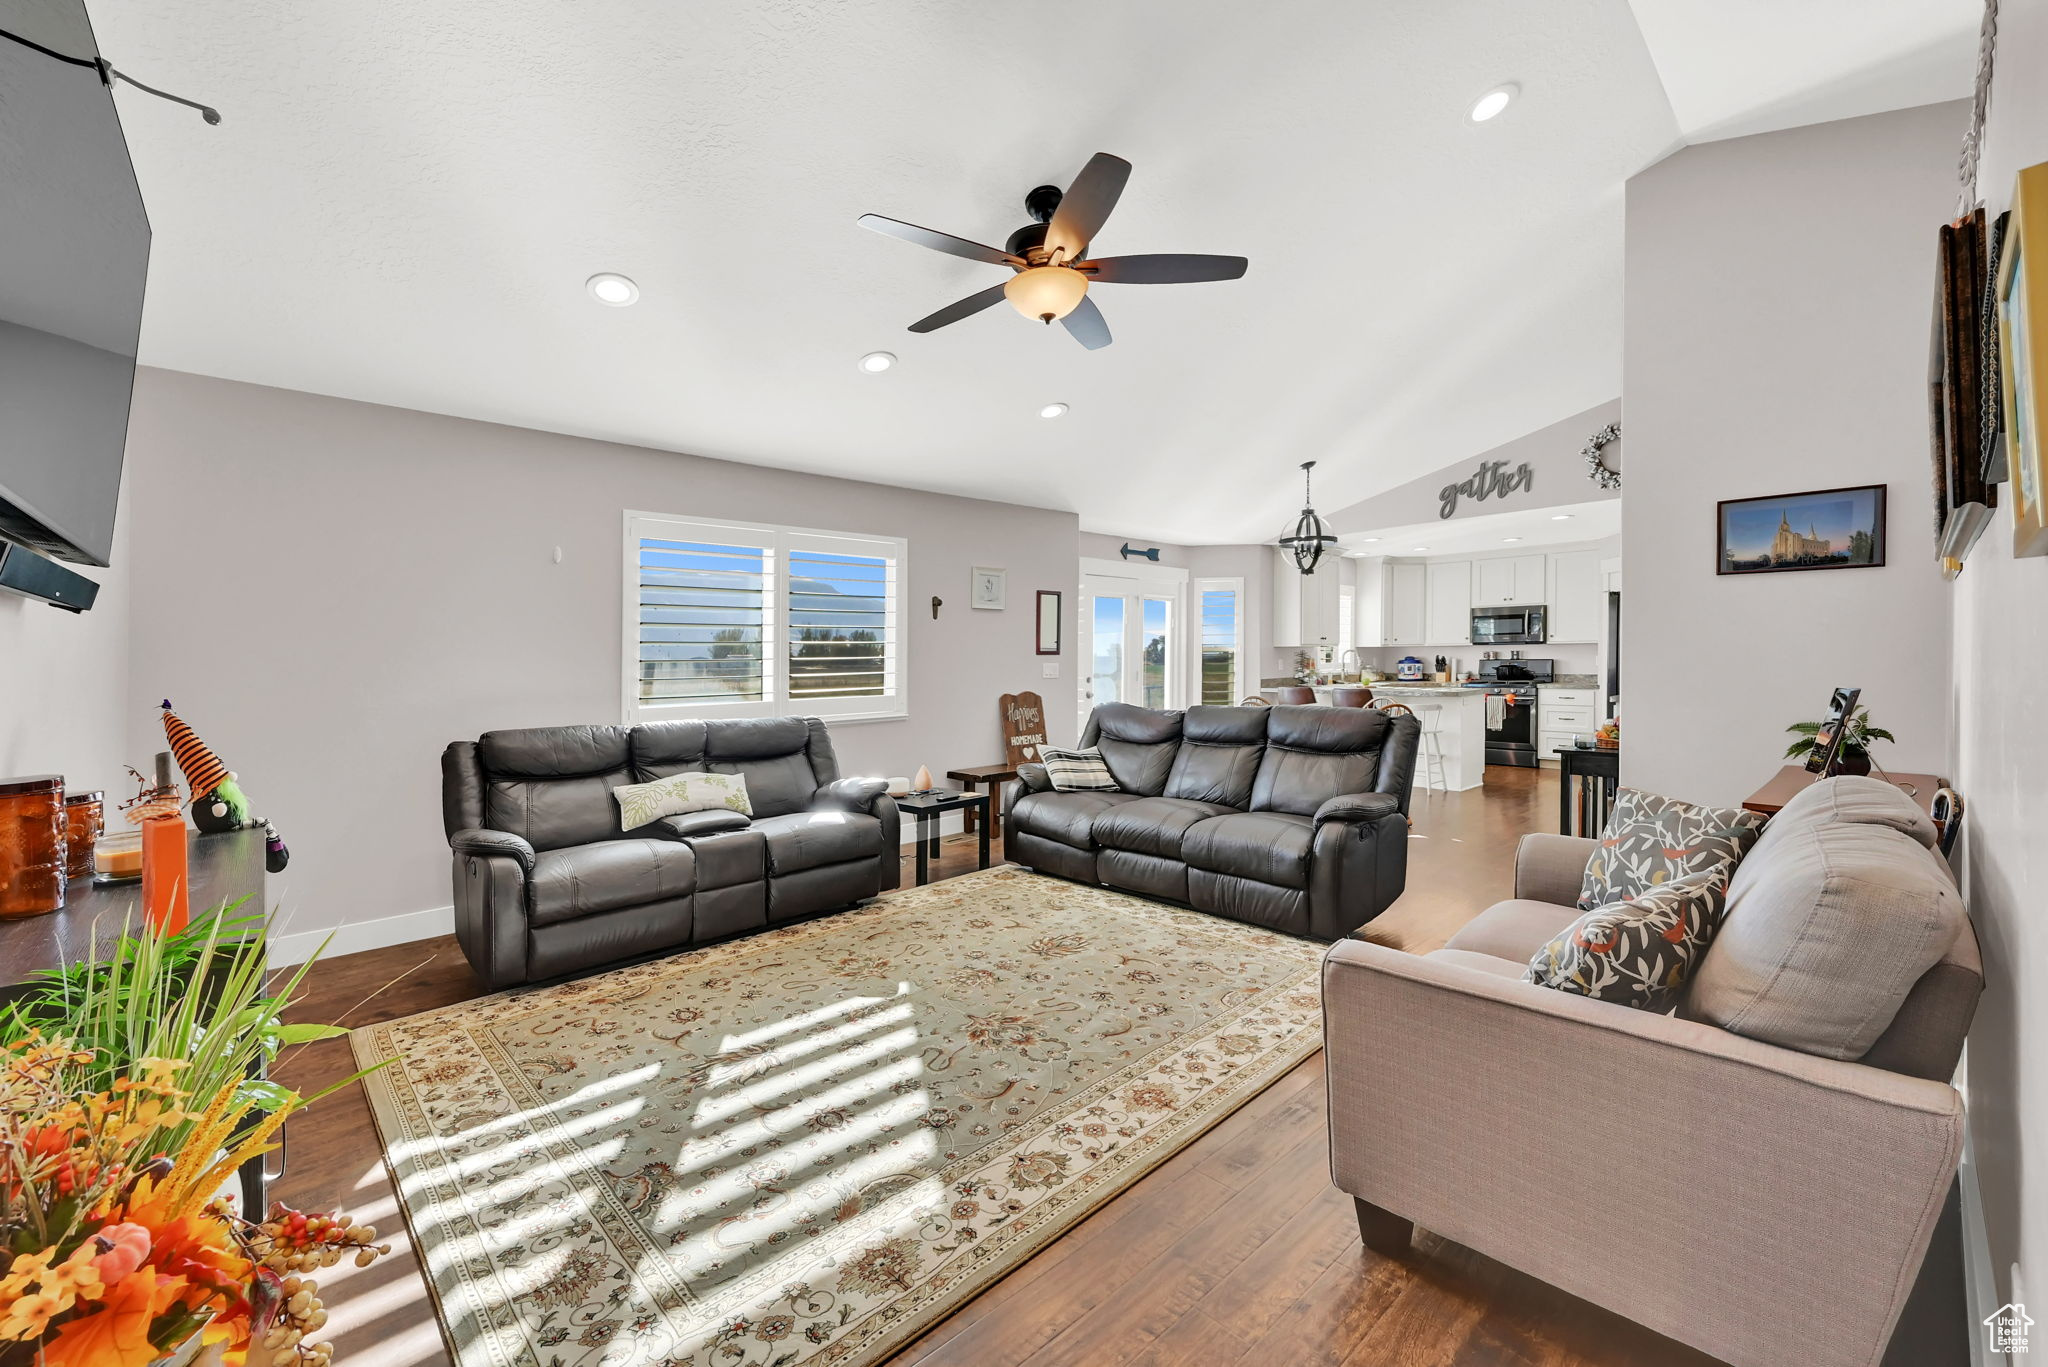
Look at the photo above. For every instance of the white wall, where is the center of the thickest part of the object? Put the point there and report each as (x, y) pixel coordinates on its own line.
(1776, 341)
(331, 591)
(2001, 650)
(64, 685)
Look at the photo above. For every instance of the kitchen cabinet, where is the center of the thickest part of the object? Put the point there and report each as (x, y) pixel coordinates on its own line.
(1578, 597)
(1564, 716)
(1447, 593)
(1306, 606)
(1407, 611)
(1518, 580)
(1390, 602)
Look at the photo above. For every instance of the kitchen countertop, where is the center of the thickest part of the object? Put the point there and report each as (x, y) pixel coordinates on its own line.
(1573, 681)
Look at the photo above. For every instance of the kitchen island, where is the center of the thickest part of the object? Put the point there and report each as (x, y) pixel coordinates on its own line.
(1460, 726)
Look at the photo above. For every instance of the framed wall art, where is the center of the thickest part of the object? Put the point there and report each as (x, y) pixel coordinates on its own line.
(2023, 353)
(1824, 529)
(1048, 621)
(990, 588)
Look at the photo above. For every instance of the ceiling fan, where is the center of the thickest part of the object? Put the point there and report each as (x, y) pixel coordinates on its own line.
(1049, 257)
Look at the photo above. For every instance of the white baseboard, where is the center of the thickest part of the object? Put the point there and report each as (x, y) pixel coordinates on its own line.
(296, 946)
(1980, 1279)
(950, 823)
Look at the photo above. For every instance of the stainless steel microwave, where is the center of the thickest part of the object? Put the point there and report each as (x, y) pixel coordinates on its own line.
(1507, 626)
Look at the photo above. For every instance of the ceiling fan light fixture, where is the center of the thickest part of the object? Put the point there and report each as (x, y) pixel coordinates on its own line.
(1490, 104)
(1046, 293)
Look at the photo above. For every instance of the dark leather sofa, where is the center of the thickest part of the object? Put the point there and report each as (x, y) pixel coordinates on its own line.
(1290, 817)
(546, 884)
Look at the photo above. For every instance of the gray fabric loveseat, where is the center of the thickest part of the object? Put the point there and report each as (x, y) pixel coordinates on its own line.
(547, 884)
(1758, 1173)
(1290, 817)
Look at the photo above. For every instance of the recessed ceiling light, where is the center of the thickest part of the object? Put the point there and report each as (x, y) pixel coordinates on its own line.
(1490, 104)
(1053, 410)
(1511, 538)
(1560, 517)
(1421, 550)
(875, 362)
(616, 290)
(1368, 538)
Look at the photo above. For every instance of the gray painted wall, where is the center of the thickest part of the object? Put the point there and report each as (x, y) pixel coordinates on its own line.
(2001, 650)
(331, 591)
(1776, 341)
(1553, 454)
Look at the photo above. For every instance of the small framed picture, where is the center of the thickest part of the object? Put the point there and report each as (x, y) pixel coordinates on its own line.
(990, 587)
(1824, 529)
(1048, 621)
(2022, 302)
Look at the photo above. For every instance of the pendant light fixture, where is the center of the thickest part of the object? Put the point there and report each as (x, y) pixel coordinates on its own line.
(1311, 535)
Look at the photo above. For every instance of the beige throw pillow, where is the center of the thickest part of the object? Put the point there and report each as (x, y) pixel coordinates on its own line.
(641, 803)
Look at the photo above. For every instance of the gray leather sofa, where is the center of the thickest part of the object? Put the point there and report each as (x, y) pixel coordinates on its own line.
(1290, 817)
(546, 884)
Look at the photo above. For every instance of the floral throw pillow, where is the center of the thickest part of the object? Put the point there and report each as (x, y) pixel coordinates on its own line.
(1651, 840)
(640, 803)
(1641, 952)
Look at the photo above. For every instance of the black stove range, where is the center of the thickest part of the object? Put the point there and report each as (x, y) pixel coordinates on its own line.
(1513, 740)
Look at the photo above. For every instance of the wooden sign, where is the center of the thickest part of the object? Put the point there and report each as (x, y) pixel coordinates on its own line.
(1023, 727)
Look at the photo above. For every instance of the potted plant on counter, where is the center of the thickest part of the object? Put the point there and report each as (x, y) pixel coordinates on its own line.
(132, 1088)
(1852, 756)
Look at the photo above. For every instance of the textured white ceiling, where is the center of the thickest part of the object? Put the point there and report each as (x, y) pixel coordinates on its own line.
(405, 199)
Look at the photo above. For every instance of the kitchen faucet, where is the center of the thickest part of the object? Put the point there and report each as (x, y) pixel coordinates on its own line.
(1356, 659)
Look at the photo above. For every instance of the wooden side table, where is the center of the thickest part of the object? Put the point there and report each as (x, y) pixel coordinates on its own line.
(1793, 779)
(995, 776)
(1598, 772)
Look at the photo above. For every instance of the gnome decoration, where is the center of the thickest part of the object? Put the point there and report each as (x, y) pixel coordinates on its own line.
(218, 803)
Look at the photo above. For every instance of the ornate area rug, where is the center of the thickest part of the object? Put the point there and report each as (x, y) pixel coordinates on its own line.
(807, 1146)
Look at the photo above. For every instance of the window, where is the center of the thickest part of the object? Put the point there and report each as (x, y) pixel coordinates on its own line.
(734, 619)
(1221, 602)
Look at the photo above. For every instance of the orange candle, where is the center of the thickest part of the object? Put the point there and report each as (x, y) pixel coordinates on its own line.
(165, 903)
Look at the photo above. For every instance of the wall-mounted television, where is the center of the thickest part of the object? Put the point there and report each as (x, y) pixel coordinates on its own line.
(74, 251)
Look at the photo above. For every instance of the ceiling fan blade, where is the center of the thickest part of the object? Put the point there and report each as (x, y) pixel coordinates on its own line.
(938, 242)
(1086, 205)
(965, 308)
(1163, 269)
(1087, 325)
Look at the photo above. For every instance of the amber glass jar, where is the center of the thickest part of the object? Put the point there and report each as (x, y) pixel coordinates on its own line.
(31, 845)
(84, 819)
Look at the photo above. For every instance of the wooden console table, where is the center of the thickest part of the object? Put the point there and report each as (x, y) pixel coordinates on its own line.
(1598, 772)
(1793, 779)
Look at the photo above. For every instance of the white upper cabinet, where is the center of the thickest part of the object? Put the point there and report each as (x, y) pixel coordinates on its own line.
(1578, 598)
(1509, 579)
(1448, 591)
(1305, 606)
(1406, 605)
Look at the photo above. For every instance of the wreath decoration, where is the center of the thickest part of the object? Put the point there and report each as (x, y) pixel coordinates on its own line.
(1596, 467)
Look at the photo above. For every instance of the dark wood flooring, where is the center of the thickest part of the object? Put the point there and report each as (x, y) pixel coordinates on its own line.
(1236, 1250)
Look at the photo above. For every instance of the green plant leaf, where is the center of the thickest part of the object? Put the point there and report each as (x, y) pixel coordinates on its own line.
(306, 1032)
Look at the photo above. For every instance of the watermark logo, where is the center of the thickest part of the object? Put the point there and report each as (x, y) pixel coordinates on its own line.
(2006, 1328)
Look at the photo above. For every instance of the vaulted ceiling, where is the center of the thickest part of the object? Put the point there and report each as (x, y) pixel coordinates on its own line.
(404, 201)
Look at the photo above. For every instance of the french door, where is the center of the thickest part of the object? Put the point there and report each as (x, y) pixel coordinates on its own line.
(1132, 633)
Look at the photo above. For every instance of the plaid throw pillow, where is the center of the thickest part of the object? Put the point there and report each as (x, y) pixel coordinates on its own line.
(1638, 953)
(1077, 771)
(1650, 840)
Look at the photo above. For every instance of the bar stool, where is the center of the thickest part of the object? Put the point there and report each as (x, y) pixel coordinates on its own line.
(1350, 697)
(1430, 749)
(1294, 695)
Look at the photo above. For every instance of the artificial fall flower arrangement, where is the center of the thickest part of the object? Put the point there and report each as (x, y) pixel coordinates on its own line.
(117, 1245)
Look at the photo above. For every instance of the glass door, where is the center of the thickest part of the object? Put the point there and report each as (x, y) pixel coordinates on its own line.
(1133, 634)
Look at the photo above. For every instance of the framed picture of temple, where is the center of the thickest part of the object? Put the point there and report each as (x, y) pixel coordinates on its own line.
(1826, 529)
